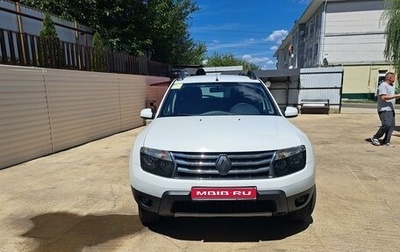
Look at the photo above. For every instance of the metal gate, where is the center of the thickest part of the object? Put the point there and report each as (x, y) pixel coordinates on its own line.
(290, 86)
(322, 84)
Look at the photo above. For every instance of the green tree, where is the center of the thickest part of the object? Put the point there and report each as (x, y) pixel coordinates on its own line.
(99, 56)
(48, 30)
(195, 55)
(167, 23)
(97, 41)
(229, 60)
(392, 32)
(137, 27)
(50, 53)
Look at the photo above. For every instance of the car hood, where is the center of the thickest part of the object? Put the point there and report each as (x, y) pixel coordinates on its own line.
(221, 133)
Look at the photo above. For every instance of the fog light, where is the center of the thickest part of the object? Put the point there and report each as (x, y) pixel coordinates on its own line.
(301, 200)
(146, 201)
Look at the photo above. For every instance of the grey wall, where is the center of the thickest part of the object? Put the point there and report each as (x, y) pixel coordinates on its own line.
(43, 111)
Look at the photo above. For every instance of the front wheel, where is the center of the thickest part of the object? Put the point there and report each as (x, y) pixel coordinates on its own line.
(304, 213)
(147, 217)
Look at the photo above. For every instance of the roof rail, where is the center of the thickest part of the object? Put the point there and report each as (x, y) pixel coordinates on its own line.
(179, 71)
(249, 74)
(187, 66)
(200, 71)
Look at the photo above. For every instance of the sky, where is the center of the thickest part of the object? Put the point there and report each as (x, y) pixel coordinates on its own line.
(249, 29)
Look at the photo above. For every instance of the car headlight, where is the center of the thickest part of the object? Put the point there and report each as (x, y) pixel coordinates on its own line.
(157, 162)
(290, 160)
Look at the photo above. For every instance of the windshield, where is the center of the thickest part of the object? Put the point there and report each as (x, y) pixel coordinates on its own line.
(218, 99)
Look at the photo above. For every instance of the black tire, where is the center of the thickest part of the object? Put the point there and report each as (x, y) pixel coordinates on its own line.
(147, 217)
(304, 213)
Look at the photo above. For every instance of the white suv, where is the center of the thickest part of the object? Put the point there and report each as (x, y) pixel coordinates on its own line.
(220, 146)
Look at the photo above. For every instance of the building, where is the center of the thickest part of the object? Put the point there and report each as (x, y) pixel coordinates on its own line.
(345, 33)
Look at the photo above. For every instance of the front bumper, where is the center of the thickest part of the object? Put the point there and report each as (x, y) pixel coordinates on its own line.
(180, 204)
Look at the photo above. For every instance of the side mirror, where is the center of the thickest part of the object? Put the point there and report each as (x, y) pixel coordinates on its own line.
(291, 112)
(146, 113)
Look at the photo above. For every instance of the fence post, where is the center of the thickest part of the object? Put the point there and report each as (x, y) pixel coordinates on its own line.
(78, 52)
(3, 48)
(21, 33)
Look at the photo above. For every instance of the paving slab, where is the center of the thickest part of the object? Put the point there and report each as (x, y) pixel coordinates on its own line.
(80, 200)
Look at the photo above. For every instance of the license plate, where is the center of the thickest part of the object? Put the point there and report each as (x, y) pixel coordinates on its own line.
(223, 193)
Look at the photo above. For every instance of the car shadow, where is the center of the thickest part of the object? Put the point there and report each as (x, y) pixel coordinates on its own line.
(246, 229)
(63, 231)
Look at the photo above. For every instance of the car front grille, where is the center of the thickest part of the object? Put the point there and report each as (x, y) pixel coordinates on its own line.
(243, 165)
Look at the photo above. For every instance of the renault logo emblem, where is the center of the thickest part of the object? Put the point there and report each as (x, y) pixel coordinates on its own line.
(223, 164)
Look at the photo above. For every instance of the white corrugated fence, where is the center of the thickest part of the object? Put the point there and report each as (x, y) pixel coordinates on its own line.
(43, 111)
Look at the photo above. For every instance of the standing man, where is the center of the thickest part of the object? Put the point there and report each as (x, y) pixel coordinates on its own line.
(386, 103)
